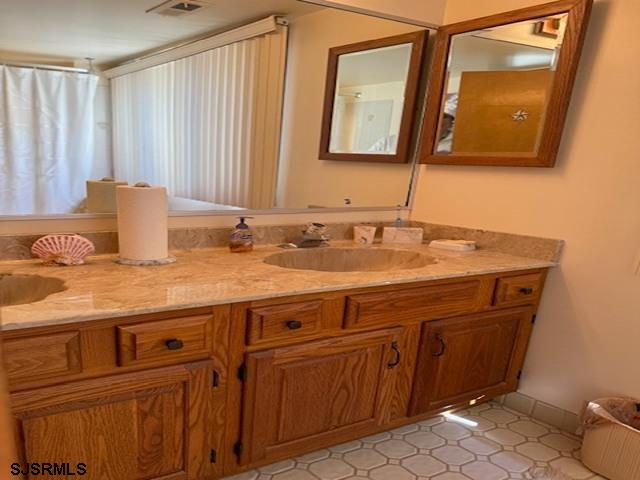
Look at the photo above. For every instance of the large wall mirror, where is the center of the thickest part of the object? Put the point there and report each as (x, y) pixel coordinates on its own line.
(501, 86)
(220, 101)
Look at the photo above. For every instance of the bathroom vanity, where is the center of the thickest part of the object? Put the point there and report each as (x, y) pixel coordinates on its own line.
(188, 371)
(222, 362)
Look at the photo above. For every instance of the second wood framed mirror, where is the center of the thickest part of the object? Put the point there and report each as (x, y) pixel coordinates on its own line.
(370, 99)
(501, 85)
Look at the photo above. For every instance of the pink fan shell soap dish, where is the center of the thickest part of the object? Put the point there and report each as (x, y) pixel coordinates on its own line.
(62, 249)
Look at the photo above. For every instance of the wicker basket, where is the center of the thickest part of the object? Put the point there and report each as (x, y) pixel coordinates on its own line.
(611, 448)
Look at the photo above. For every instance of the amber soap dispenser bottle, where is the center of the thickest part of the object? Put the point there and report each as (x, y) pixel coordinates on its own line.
(241, 238)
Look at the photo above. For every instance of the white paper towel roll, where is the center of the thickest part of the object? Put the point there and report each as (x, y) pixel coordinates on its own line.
(142, 223)
(101, 195)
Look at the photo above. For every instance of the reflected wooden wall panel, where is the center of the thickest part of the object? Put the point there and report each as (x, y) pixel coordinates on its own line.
(486, 104)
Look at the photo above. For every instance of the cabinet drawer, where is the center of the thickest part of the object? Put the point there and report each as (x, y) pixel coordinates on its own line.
(284, 322)
(42, 356)
(518, 289)
(165, 341)
(422, 303)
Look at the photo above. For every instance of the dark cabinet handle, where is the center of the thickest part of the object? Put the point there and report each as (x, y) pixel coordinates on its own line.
(174, 344)
(443, 346)
(294, 324)
(396, 361)
(526, 290)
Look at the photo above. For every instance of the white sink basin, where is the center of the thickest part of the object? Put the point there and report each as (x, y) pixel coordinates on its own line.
(349, 259)
(19, 289)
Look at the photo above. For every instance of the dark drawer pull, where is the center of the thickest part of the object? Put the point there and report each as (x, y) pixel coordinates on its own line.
(294, 324)
(174, 344)
(443, 346)
(526, 290)
(396, 361)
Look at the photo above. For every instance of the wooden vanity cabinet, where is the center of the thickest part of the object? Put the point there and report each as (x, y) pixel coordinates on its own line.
(145, 425)
(404, 352)
(212, 391)
(132, 398)
(318, 392)
(472, 357)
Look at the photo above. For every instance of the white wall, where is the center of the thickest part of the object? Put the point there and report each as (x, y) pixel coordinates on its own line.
(587, 341)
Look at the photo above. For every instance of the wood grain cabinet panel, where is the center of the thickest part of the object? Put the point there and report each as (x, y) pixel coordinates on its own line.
(465, 358)
(166, 341)
(519, 290)
(284, 321)
(42, 356)
(422, 303)
(301, 397)
(148, 425)
(292, 322)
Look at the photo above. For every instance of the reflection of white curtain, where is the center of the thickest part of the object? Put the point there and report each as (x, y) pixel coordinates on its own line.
(46, 139)
(206, 126)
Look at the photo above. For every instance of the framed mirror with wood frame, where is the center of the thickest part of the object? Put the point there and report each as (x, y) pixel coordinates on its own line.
(500, 86)
(370, 99)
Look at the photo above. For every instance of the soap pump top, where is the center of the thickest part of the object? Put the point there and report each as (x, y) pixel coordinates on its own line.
(241, 238)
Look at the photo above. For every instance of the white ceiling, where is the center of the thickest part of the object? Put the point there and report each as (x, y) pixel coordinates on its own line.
(109, 30)
(372, 67)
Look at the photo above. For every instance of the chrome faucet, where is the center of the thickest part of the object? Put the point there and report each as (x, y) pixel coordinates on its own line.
(315, 235)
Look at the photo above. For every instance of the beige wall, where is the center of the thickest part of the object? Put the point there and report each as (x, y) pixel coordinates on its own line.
(347, 131)
(426, 12)
(9, 56)
(108, 222)
(587, 340)
(304, 179)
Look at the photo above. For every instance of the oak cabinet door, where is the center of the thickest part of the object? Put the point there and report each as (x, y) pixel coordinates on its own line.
(465, 358)
(301, 397)
(145, 425)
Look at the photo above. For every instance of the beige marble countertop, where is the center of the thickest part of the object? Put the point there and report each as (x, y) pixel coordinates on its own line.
(214, 276)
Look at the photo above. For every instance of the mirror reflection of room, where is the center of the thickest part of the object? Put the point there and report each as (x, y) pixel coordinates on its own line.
(221, 105)
(369, 100)
(497, 88)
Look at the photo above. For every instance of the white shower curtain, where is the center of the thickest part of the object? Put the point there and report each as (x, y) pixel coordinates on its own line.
(46, 139)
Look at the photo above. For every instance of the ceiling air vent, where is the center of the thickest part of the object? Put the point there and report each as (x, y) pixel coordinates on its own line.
(174, 8)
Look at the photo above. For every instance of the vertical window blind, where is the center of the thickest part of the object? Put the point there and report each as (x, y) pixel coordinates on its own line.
(206, 126)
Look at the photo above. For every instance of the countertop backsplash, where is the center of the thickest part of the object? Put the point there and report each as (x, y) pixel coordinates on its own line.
(18, 247)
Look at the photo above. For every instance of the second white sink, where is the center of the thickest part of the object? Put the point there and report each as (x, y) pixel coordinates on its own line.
(19, 289)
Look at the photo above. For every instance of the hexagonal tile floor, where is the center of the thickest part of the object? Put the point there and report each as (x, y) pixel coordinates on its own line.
(486, 442)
